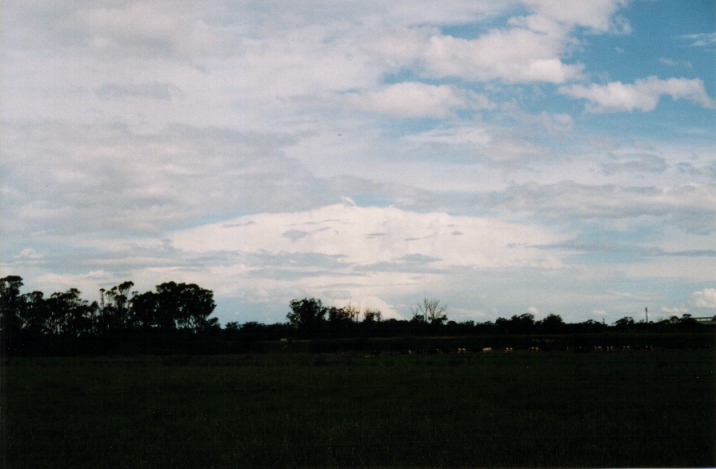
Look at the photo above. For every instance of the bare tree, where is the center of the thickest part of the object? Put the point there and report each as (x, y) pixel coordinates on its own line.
(353, 311)
(430, 311)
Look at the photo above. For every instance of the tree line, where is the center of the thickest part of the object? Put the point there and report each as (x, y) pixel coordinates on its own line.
(64, 319)
(178, 316)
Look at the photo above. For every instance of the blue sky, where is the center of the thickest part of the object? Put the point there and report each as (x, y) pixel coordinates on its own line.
(502, 156)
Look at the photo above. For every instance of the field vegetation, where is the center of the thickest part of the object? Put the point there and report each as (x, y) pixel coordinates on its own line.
(292, 409)
(153, 380)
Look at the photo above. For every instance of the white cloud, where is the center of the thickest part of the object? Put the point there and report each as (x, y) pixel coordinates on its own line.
(409, 99)
(127, 123)
(691, 207)
(674, 311)
(676, 63)
(31, 254)
(597, 15)
(705, 298)
(706, 40)
(86, 283)
(474, 136)
(513, 55)
(378, 237)
(642, 95)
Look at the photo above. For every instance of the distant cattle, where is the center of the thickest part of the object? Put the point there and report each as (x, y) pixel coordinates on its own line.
(461, 350)
(534, 349)
(487, 349)
(508, 349)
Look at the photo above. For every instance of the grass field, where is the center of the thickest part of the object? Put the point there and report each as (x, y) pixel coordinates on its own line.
(635, 408)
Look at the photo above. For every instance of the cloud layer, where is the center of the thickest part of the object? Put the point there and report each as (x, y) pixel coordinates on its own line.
(505, 156)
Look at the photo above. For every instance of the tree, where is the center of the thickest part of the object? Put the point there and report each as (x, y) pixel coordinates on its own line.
(231, 327)
(431, 311)
(70, 315)
(116, 310)
(340, 320)
(35, 313)
(145, 311)
(551, 324)
(353, 311)
(521, 324)
(624, 323)
(372, 316)
(10, 303)
(307, 315)
(185, 306)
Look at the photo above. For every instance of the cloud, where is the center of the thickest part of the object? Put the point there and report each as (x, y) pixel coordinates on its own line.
(640, 163)
(30, 254)
(597, 15)
(409, 99)
(642, 95)
(705, 298)
(675, 63)
(705, 40)
(514, 55)
(674, 311)
(158, 141)
(689, 206)
(102, 178)
(152, 90)
(473, 136)
(86, 283)
(363, 236)
(531, 49)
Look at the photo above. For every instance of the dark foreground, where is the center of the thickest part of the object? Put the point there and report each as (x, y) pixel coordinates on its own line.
(632, 408)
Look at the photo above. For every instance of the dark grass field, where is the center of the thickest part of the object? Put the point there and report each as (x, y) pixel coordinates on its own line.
(637, 408)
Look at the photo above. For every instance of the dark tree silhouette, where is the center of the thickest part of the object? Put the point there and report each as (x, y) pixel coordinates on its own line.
(430, 311)
(624, 323)
(35, 314)
(185, 306)
(307, 315)
(70, 315)
(551, 324)
(521, 324)
(145, 311)
(372, 315)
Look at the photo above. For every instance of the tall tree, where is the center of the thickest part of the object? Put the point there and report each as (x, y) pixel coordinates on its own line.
(118, 305)
(10, 304)
(307, 315)
(35, 313)
(185, 306)
(70, 315)
(340, 320)
(430, 311)
(145, 310)
(553, 323)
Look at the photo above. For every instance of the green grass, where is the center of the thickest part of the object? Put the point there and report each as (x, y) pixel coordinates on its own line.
(561, 409)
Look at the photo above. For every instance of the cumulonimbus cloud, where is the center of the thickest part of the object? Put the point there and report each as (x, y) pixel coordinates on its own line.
(363, 236)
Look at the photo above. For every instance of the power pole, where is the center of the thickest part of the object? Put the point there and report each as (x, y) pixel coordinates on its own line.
(646, 313)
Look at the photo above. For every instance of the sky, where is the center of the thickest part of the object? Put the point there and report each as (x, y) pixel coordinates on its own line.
(504, 157)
